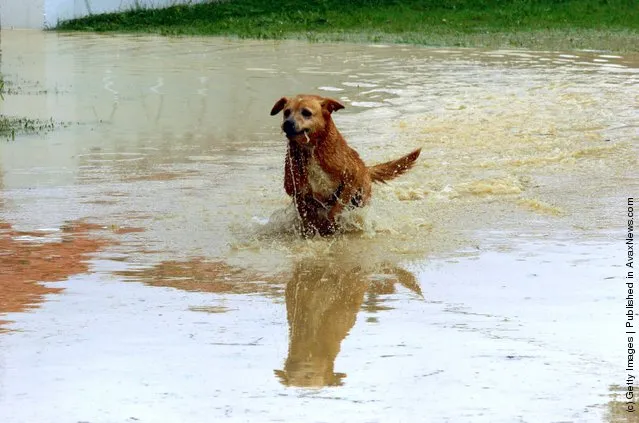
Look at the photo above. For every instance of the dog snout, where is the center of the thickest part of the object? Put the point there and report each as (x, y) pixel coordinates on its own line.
(289, 127)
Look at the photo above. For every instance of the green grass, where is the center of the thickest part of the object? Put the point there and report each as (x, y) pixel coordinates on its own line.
(597, 24)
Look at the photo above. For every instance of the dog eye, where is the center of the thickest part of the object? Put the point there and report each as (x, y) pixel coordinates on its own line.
(307, 113)
(287, 112)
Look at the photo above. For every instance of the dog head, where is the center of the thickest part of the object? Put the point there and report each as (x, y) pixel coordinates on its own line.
(305, 116)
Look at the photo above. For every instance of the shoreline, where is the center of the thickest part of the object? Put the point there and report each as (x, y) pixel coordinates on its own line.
(616, 42)
(544, 25)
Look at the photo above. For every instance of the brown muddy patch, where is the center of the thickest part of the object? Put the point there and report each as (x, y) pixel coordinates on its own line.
(26, 264)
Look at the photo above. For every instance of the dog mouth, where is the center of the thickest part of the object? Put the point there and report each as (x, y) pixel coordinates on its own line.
(292, 133)
(291, 129)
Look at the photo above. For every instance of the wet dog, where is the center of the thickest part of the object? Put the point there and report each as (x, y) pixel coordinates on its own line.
(321, 172)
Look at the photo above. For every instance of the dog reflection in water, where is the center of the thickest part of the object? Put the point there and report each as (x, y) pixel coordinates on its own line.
(322, 301)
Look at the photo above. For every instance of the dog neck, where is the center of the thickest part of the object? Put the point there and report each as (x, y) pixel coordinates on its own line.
(320, 137)
(330, 131)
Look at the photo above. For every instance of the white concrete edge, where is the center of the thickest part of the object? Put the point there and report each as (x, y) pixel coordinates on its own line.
(43, 14)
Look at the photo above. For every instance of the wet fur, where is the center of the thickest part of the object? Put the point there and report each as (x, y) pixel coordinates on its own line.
(322, 173)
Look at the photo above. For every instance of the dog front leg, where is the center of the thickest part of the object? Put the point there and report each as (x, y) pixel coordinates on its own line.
(292, 179)
(295, 176)
(343, 200)
(313, 219)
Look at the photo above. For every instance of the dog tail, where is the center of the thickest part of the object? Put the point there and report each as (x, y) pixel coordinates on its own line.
(390, 170)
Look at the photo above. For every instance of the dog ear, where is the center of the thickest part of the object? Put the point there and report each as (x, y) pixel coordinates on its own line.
(331, 105)
(279, 106)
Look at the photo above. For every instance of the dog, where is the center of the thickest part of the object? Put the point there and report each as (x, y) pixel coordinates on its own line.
(322, 173)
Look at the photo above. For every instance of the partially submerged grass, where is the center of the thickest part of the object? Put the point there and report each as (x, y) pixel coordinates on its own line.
(561, 24)
(11, 126)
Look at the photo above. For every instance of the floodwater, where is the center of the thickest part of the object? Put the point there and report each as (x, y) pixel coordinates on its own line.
(150, 272)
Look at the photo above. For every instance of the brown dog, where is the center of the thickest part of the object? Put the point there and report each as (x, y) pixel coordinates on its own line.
(322, 173)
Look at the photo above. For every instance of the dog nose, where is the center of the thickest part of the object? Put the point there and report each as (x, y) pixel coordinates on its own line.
(289, 127)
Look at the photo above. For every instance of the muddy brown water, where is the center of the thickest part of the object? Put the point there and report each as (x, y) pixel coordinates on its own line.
(483, 286)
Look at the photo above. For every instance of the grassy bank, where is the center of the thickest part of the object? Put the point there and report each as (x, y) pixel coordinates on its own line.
(560, 24)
